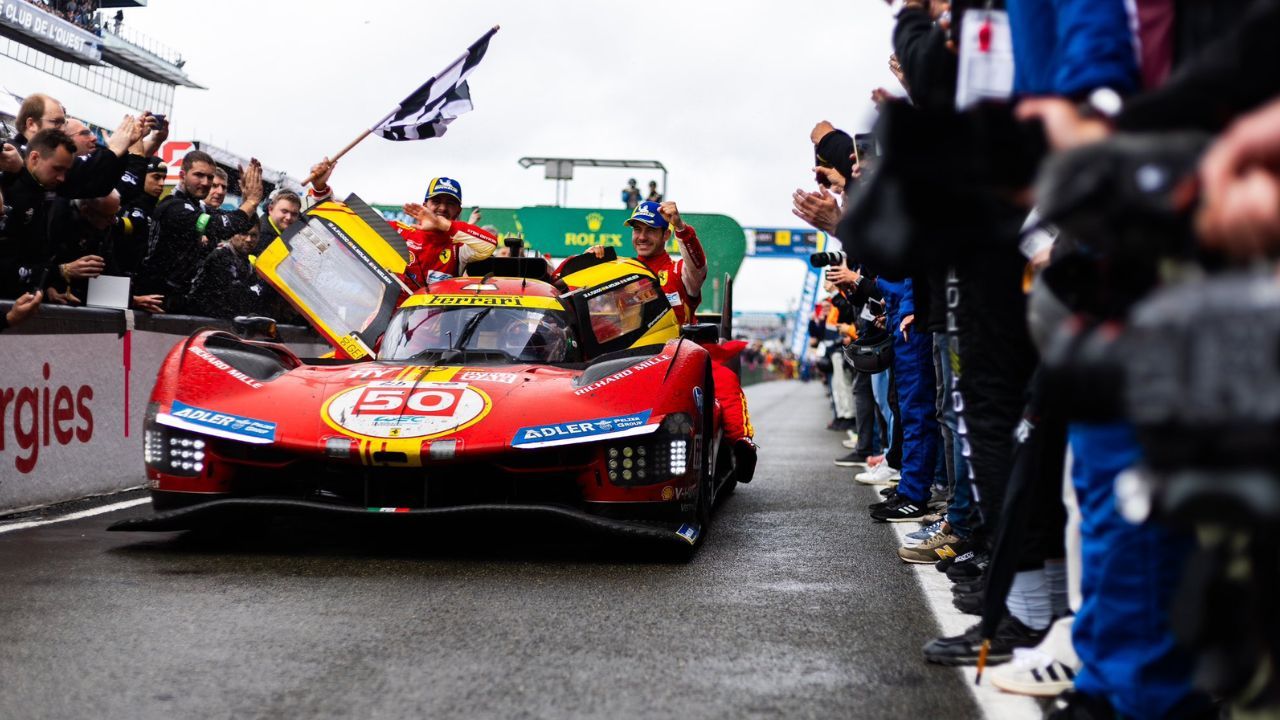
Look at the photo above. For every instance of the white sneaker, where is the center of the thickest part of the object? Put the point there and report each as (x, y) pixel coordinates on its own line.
(881, 474)
(1045, 670)
(851, 443)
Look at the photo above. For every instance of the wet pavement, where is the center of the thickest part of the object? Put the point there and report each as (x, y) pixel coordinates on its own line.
(796, 607)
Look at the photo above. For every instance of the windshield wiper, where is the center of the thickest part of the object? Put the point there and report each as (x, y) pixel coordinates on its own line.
(469, 329)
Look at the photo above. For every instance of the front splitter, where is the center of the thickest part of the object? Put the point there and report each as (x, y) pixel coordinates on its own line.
(213, 512)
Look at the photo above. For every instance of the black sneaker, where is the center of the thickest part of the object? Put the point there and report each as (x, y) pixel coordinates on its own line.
(968, 566)
(853, 459)
(969, 603)
(888, 490)
(968, 586)
(963, 649)
(900, 509)
(883, 503)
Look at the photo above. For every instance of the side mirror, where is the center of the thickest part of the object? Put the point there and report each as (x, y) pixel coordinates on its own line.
(701, 333)
(255, 326)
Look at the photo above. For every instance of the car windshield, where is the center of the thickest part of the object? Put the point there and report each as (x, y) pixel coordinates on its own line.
(522, 334)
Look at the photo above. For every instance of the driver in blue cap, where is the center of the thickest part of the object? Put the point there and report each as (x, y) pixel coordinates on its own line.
(440, 244)
(652, 224)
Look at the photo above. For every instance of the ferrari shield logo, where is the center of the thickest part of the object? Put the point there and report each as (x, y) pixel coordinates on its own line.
(445, 255)
(662, 278)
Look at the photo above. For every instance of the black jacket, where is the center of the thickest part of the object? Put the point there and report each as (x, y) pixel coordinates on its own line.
(26, 247)
(134, 234)
(175, 250)
(929, 67)
(225, 286)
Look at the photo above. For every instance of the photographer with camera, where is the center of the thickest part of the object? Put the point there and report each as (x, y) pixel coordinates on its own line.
(838, 331)
(859, 294)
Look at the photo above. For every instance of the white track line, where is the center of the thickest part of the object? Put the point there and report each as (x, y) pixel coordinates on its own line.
(23, 525)
(995, 704)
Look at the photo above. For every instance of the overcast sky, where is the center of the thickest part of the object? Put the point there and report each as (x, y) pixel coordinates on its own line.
(722, 92)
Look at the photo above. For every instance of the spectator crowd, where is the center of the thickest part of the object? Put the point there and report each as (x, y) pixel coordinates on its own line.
(83, 13)
(76, 208)
(971, 208)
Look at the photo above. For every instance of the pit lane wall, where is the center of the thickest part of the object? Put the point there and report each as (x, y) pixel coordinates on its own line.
(67, 429)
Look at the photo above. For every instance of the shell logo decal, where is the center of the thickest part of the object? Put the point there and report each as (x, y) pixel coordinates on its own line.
(402, 409)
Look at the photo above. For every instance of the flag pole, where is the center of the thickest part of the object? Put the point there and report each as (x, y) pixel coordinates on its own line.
(311, 177)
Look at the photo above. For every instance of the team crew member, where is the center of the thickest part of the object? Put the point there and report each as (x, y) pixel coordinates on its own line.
(180, 230)
(651, 226)
(440, 244)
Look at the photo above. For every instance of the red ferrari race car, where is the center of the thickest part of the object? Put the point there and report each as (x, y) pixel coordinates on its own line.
(502, 392)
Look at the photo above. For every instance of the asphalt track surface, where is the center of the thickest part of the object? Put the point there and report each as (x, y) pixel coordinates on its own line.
(796, 607)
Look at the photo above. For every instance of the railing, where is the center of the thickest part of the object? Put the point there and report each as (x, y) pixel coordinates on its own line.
(145, 42)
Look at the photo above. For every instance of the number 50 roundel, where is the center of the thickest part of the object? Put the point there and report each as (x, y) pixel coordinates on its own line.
(398, 409)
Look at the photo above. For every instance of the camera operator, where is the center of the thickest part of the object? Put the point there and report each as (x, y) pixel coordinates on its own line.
(841, 317)
(859, 291)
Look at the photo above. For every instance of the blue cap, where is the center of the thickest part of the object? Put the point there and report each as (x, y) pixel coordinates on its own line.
(444, 186)
(647, 213)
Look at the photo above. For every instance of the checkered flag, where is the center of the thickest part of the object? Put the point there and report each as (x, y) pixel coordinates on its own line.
(429, 110)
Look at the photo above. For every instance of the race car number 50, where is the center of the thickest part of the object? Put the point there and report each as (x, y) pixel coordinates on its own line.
(399, 409)
(416, 401)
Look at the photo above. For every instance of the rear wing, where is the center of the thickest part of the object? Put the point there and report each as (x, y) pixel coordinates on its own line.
(339, 266)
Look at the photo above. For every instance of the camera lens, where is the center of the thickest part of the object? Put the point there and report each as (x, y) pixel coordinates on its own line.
(823, 259)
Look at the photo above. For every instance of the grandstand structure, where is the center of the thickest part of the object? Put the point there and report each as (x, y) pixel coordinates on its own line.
(99, 68)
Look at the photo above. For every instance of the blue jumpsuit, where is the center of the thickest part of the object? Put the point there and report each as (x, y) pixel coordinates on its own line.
(917, 392)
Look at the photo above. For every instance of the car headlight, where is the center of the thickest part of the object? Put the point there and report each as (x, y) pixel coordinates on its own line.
(657, 458)
(174, 452)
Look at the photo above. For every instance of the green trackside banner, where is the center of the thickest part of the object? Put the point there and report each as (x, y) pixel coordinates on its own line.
(562, 232)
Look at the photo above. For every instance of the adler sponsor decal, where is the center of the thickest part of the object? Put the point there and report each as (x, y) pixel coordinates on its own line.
(215, 361)
(583, 430)
(220, 424)
(37, 416)
(642, 365)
